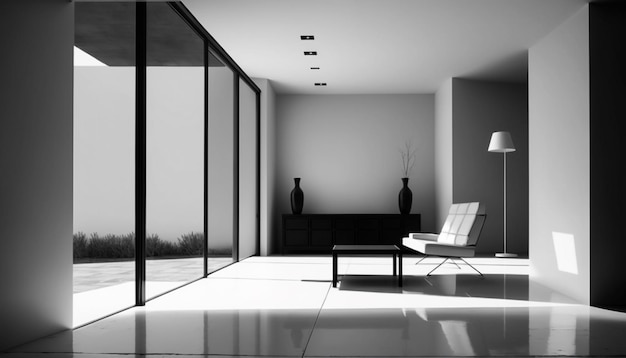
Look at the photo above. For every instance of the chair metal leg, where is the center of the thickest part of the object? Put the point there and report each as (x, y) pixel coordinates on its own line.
(451, 260)
(442, 262)
(467, 263)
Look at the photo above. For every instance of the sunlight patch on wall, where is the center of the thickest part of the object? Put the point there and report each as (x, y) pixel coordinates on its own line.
(565, 249)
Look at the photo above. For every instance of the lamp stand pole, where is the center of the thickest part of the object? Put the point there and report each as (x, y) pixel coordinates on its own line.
(505, 254)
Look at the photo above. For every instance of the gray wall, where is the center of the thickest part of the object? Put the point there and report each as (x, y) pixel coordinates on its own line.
(268, 164)
(36, 160)
(346, 150)
(248, 243)
(607, 128)
(479, 109)
(443, 151)
(221, 156)
(104, 150)
(104, 147)
(174, 148)
(559, 170)
(104, 114)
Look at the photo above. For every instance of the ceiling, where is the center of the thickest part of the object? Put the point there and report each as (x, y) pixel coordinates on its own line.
(380, 46)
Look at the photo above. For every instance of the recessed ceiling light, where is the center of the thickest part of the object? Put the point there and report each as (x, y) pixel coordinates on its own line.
(315, 68)
(320, 83)
(310, 53)
(307, 37)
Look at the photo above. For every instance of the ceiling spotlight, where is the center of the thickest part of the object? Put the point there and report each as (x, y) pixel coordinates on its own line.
(310, 53)
(320, 83)
(307, 37)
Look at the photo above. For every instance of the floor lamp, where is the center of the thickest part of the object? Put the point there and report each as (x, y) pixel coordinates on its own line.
(501, 142)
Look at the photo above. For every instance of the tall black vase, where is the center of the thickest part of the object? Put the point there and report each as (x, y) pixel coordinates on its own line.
(405, 198)
(297, 198)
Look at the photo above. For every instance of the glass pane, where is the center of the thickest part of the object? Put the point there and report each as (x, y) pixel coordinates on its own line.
(104, 159)
(248, 240)
(175, 151)
(221, 164)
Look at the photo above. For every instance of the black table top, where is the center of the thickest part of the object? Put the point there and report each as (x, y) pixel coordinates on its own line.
(382, 249)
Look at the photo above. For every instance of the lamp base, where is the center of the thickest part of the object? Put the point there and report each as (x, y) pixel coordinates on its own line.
(505, 255)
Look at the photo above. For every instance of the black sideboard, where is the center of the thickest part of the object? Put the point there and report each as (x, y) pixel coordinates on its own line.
(317, 233)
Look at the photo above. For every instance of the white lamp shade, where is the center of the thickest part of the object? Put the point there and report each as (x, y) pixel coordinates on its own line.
(501, 142)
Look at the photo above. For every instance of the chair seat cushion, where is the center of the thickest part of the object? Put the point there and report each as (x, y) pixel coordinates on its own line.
(434, 248)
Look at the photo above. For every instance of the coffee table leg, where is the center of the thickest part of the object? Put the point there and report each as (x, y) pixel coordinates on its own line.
(394, 264)
(400, 269)
(334, 269)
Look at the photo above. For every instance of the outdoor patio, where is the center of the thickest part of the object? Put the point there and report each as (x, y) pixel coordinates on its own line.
(103, 288)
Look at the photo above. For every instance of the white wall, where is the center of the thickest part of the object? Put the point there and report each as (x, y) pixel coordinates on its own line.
(559, 205)
(346, 149)
(443, 151)
(37, 39)
(269, 228)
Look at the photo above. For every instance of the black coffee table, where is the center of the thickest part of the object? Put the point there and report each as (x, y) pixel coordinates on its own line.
(366, 250)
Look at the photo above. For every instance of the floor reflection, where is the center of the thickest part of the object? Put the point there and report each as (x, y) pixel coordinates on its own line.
(285, 306)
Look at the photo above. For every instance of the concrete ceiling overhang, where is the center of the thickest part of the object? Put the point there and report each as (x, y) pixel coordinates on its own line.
(106, 31)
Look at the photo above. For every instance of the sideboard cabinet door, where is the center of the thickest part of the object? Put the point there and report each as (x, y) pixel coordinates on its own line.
(296, 232)
(317, 233)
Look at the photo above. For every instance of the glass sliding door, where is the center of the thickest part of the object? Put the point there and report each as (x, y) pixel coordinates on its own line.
(175, 126)
(221, 164)
(175, 99)
(104, 159)
(248, 172)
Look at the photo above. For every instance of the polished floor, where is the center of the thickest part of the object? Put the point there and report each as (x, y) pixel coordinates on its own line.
(286, 307)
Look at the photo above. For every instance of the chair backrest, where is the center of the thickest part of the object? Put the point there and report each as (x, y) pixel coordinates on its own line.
(463, 224)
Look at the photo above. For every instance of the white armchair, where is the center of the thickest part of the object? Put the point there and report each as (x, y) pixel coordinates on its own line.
(458, 237)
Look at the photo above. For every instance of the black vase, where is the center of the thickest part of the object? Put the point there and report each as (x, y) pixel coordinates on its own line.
(297, 198)
(405, 198)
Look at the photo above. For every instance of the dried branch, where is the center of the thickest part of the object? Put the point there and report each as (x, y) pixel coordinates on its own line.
(408, 158)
